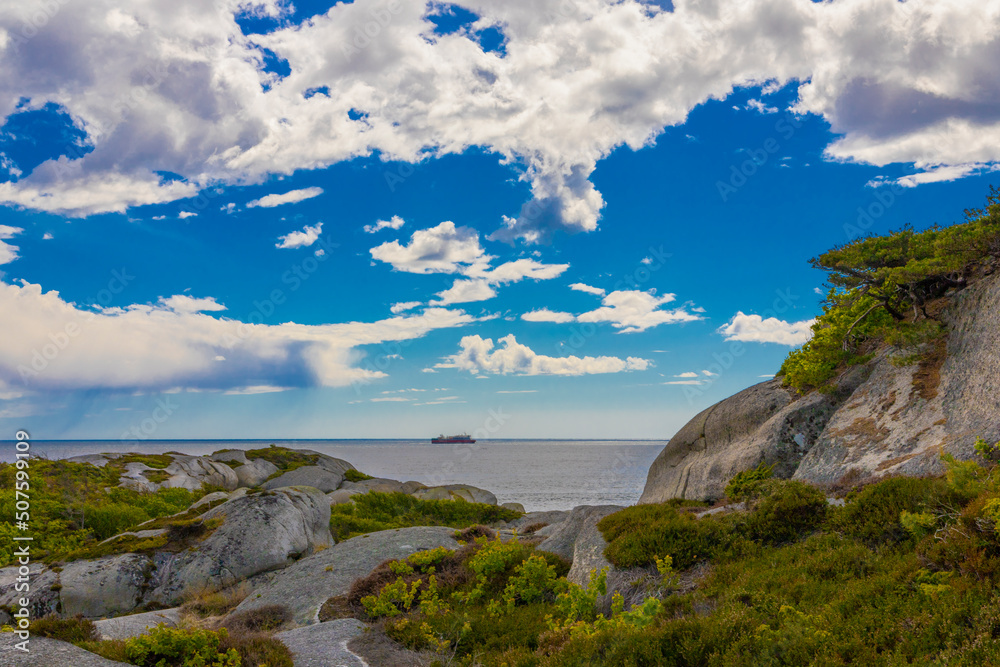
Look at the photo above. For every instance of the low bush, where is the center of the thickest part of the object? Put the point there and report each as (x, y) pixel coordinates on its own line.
(374, 511)
(74, 630)
(174, 647)
(211, 602)
(353, 475)
(286, 459)
(637, 535)
(784, 511)
(745, 483)
(267, 618)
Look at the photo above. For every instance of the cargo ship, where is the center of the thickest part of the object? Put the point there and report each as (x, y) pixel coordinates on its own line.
(449, 439)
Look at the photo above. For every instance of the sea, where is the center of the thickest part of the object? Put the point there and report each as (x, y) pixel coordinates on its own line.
(539, 474)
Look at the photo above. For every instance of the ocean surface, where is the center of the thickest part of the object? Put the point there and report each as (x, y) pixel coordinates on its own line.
(540, 474)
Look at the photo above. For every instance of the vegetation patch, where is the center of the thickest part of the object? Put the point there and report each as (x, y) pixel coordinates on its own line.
(74, 506)
(353, 475)
(372, 511)
(286, 459)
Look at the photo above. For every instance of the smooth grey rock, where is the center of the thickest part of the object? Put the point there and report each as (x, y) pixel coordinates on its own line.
(453, 491)
(412, 487)
(306, 585)
(324, 644)
(99, 460)
(517, 507)
(125, 627)
(341, 496)
(577, 539)
(550, 517)
(229, 455)
(260, 532)
(315, 476)
(190, 472)
(250, 472)
(104, 586)
(880, 420)
(209, 498)
(43, 599)
(45, 652)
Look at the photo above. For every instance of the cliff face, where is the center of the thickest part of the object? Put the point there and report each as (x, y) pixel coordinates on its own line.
(882, 419)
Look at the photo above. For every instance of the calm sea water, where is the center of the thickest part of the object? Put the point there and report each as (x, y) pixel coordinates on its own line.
(540, 474)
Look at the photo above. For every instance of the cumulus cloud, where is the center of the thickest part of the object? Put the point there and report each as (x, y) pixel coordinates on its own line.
(179, 88)
(441, 249)
(291, 197)
(755, 329)
(303, 239)
(477, 355)
(546, 315)
(58, 345)
(8, 252)
(395, 222)
(689, 374)
(632, 311)
(465, 291)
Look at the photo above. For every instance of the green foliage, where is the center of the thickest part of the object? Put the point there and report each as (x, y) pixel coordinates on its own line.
(73, 630)
(873, 515)
(374, 511)
(637, 535)
(745, 483)
(173, 647)
(534, 580)
(353, 475)
(785, 511)
(286, 459)
(75, 505)
(881, 287)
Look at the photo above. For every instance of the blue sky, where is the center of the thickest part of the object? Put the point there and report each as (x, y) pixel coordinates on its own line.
(294, 231)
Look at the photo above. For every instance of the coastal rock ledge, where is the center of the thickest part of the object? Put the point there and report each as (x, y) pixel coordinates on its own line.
(881, 419)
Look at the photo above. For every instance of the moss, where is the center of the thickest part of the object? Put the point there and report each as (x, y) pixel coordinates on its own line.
(286, 459)
(156, 476)
(158, 461)
(353, 475)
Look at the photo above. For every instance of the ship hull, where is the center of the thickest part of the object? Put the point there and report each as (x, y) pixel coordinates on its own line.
(450, 441)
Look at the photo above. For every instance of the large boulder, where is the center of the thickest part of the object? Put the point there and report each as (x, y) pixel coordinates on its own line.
(105, 586)
(183, 472)
(43, 599)
(249, 472)
(314, 476)
(881, 419)
(307, 584)
(456, 491)
(577, 539)
(259, 532)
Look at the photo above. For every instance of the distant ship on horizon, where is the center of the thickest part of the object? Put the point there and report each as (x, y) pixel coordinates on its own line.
(449, 439)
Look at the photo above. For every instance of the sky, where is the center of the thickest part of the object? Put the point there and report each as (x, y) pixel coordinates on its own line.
(389, 219)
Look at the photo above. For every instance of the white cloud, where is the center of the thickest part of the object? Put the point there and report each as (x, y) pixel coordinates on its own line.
(518, 270)
(441, 249)
(183, 215)
(478, 356)
(633, 311)
(302, 239)
(290, 197)
(8, 252)
(580, 287)
(391, 399)
(110, 347)
(518, 391)
(760, 107)
(393, 223)
(546, 315)
(685, 382)
(465, 291)
(397, 308)
(688, 374)
(177, 88)
(753, 328)
(47, 236)
(937, 174)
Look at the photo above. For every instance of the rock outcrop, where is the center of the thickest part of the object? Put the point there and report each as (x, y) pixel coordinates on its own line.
(307, 584)
(105, 586)
(259, 532)
(578, 540)
(882, 419)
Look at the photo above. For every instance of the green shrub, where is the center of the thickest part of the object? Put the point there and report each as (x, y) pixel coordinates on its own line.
(173, 647)
(872, 514)
(637, 535)
(73, 630)
(353, 475)
(785, 511)
(114, 518)
(374, 511)
(743, 484)
(286, 459)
